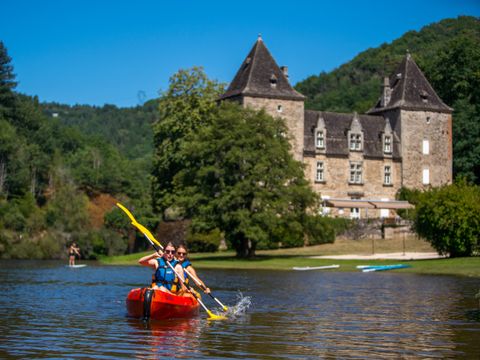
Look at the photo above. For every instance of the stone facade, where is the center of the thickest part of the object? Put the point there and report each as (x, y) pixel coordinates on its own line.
(291, 110)
(405, 140)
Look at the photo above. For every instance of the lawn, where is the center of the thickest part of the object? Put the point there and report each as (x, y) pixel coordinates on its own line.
(285, 259)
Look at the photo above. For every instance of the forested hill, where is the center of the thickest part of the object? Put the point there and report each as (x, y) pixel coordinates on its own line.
(128, 129)
(448, 52)
(355, 86)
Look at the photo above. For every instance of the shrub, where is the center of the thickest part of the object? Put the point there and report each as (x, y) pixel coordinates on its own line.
(447, 217)
(204, 242)
(319, 230)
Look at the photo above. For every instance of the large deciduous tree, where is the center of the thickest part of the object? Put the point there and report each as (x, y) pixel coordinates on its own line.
(184, 107)
(239, 176)
(447, 217)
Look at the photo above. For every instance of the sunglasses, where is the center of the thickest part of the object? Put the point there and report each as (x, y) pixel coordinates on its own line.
(169, 251)
(181, 253)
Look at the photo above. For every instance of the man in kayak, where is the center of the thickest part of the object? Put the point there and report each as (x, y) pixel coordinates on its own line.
(183, 260)
(165, 278)
(73, 250)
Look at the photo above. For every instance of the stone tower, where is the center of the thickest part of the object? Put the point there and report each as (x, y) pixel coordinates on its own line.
(422, 122)
(261, 84)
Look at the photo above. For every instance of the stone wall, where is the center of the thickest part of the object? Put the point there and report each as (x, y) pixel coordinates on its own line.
(337, 176)
(417, 126)
(293, 113)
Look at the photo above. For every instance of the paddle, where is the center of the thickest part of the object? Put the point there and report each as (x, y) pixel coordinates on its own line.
(204, 287)
(155, 243)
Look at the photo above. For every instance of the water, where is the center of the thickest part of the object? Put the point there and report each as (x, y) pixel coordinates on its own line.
(48, 310)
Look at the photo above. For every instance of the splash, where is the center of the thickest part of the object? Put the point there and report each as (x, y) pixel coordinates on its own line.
(241, 307)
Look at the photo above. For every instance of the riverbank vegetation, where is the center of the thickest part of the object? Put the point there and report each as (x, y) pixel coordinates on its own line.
(63, 168)
(286, 259)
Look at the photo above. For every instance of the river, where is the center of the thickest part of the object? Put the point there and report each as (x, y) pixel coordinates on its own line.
(50, 311)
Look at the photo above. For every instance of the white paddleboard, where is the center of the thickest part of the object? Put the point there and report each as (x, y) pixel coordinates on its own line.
(76, 266)
(316, 267)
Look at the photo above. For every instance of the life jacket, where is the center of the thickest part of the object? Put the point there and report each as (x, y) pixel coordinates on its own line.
(165, 275)
(184, 264)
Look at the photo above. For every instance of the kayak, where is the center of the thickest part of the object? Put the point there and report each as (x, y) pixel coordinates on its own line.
(76, 266)
(306, 268)
(157, 304)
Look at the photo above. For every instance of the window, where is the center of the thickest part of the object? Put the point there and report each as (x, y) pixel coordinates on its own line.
(426, 177)
(387, 144)
(428, 119)
(355, 213)
(355, 142)
(320, 139)
(320, 175)
(279, 108)
(387, 175)
(355, 173)
(426, 147)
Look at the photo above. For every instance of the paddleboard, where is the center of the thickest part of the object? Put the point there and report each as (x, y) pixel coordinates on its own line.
(384, 267)
(76, 266)
(316, 267)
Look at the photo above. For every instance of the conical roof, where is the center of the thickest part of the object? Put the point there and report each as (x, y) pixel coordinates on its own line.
(260, 76)
(411, 90)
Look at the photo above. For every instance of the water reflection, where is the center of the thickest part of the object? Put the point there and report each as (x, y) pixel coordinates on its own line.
(47, 310)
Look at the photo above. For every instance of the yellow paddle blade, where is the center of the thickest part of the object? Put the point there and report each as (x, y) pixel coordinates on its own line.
(212, 316)
(139, 226)
(225, 308)
(126, 211)
(147, 233)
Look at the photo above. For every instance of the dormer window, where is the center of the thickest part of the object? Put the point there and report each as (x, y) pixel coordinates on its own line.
(320, 139)
(424, 96)
(273, 81)
(355, 142)
(387, 144)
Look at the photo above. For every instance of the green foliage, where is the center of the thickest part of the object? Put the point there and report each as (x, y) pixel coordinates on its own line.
(413, 197)
(239, 176)
(184, 107)
(447, 217)
(7, 83)
(204, 242)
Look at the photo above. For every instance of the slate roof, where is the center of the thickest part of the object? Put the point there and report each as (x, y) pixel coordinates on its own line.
(411, 91)
(255, 77)
(337, 126)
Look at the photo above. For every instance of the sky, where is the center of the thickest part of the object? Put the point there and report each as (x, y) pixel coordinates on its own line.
(124, 52)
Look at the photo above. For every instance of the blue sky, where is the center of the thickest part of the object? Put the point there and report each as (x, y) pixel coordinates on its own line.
(103, 51)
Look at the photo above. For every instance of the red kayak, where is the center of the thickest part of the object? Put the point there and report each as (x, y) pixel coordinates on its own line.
(156, 304)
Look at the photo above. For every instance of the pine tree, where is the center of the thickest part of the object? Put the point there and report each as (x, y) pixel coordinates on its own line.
(7, 83)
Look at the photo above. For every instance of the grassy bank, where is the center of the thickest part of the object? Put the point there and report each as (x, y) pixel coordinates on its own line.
(285, 259)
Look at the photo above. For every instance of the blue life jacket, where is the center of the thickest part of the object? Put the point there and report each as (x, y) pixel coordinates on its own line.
(186, 264)
(164, 275)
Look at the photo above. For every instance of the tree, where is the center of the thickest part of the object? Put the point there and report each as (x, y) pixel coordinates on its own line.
(7, 83)
(447, 217)
(184, 107)
(239, 176)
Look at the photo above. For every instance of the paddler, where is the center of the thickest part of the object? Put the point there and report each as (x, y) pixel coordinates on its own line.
(164, 277)
(182, 257)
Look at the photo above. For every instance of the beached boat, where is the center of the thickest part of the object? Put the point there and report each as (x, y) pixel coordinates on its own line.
(157, 304)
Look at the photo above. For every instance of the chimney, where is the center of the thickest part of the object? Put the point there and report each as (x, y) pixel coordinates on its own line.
(387, 92)
(284, 70)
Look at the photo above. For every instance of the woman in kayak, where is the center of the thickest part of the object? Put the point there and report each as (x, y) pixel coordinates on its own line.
(183, 260)
(165, 278)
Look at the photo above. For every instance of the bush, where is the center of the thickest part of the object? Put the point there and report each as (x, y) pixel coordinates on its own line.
(320, 230)
(204, 242)
(447, 217)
